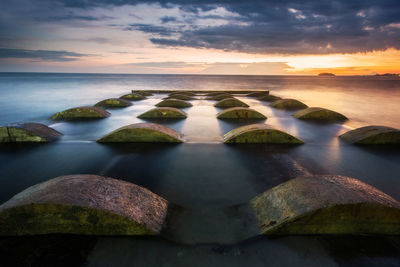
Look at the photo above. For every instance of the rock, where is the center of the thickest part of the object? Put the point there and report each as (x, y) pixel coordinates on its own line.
(143, 133)
(163, 113)
(319, 114)
(326, 205)
(28, 132)
(180, 97)
(259, 133)
(143, 93)
(373, 135)
(219, 97)
(174, 103)
(133, 97)
(215, 93)
(81, 113)
(289, 104)
(269, 98)
(258, 94)
(230, 102)
(240, 113)
(113, 103)
(85, 205)
(187, 93)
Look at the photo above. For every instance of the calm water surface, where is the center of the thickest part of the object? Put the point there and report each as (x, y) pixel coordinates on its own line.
(207, 179)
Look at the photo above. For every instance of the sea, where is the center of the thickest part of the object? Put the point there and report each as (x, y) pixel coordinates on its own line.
(207, 179)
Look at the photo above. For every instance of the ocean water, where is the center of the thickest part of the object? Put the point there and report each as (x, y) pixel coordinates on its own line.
(203, 176)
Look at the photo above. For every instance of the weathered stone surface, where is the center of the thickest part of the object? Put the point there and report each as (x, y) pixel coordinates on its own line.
(143, 133)
(215, 93)
(83, 204)
(259, 133)
(28, 132)
(174, 103)
(219, 97)
(289, 104)
(326, 205)
(143, 93)
(113, 103)
(188, 93)
(163, 113)
(373, 135)
(230, 102)
(133, 97)
(81, 113)
(269, 98)
(319, 114)
(180, 97)
(258, 94)
(240, 113)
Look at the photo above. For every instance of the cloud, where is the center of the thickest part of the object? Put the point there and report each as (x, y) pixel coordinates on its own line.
(45, 55)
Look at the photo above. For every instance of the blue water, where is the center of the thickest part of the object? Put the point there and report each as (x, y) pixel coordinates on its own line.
(204, 176)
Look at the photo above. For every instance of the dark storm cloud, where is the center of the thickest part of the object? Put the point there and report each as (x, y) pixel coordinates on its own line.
(149, 28)
(46, 55)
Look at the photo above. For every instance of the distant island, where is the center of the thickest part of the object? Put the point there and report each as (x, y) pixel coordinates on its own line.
(326, 74)
(388, 75)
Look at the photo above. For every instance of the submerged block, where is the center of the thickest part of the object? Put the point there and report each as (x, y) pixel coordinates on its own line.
(258, 94)
(230, 102)
(326, 205)
(174, 103)
(80, 113)
(113, 103)
(240, 113)
(188, 93)
(289, 104)
(180, 97)
(143, 93)
(219, 97)
(143, 133)
(86, 205)
(28, 132)
(215, 93)
(259, 133)
(163, 113)
(319, 114)
(133, 97)
(269, 98)
(373, 135)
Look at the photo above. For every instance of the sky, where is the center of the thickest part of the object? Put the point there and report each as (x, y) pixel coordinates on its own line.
(249, 37)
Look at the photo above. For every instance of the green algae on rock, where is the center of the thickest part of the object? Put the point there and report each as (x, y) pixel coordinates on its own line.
(240, 113)
(86, 205)
(180, 97)
(143, 133)
(319, 114)
(326, 204)
(81, 113)
(163, 113)
(174, 103)
(219, 97)
(289, 104)
(258, 94)
(141, 92)
(269, 98)
(373, 135)
(133, 97)
(113, 103)
(28, 132)
(188, 93)
(230, 102)
(259, 133)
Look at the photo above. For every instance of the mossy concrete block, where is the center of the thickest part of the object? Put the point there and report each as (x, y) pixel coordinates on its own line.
(326, 205)
(143, 93)
(240, 113)
(319, 114)
(259, 133)
(163, 113)
(133, 97)
(230, 103)
(373, 135)
(81, 113)
(269, 98)
(174, 103)
(113, 103)
(258, 94)
(85, 205)
(215, 93)
(143, 133)
(289, 104)
(219, 97)
(188, 93)
(28, 132)
(180, 97)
